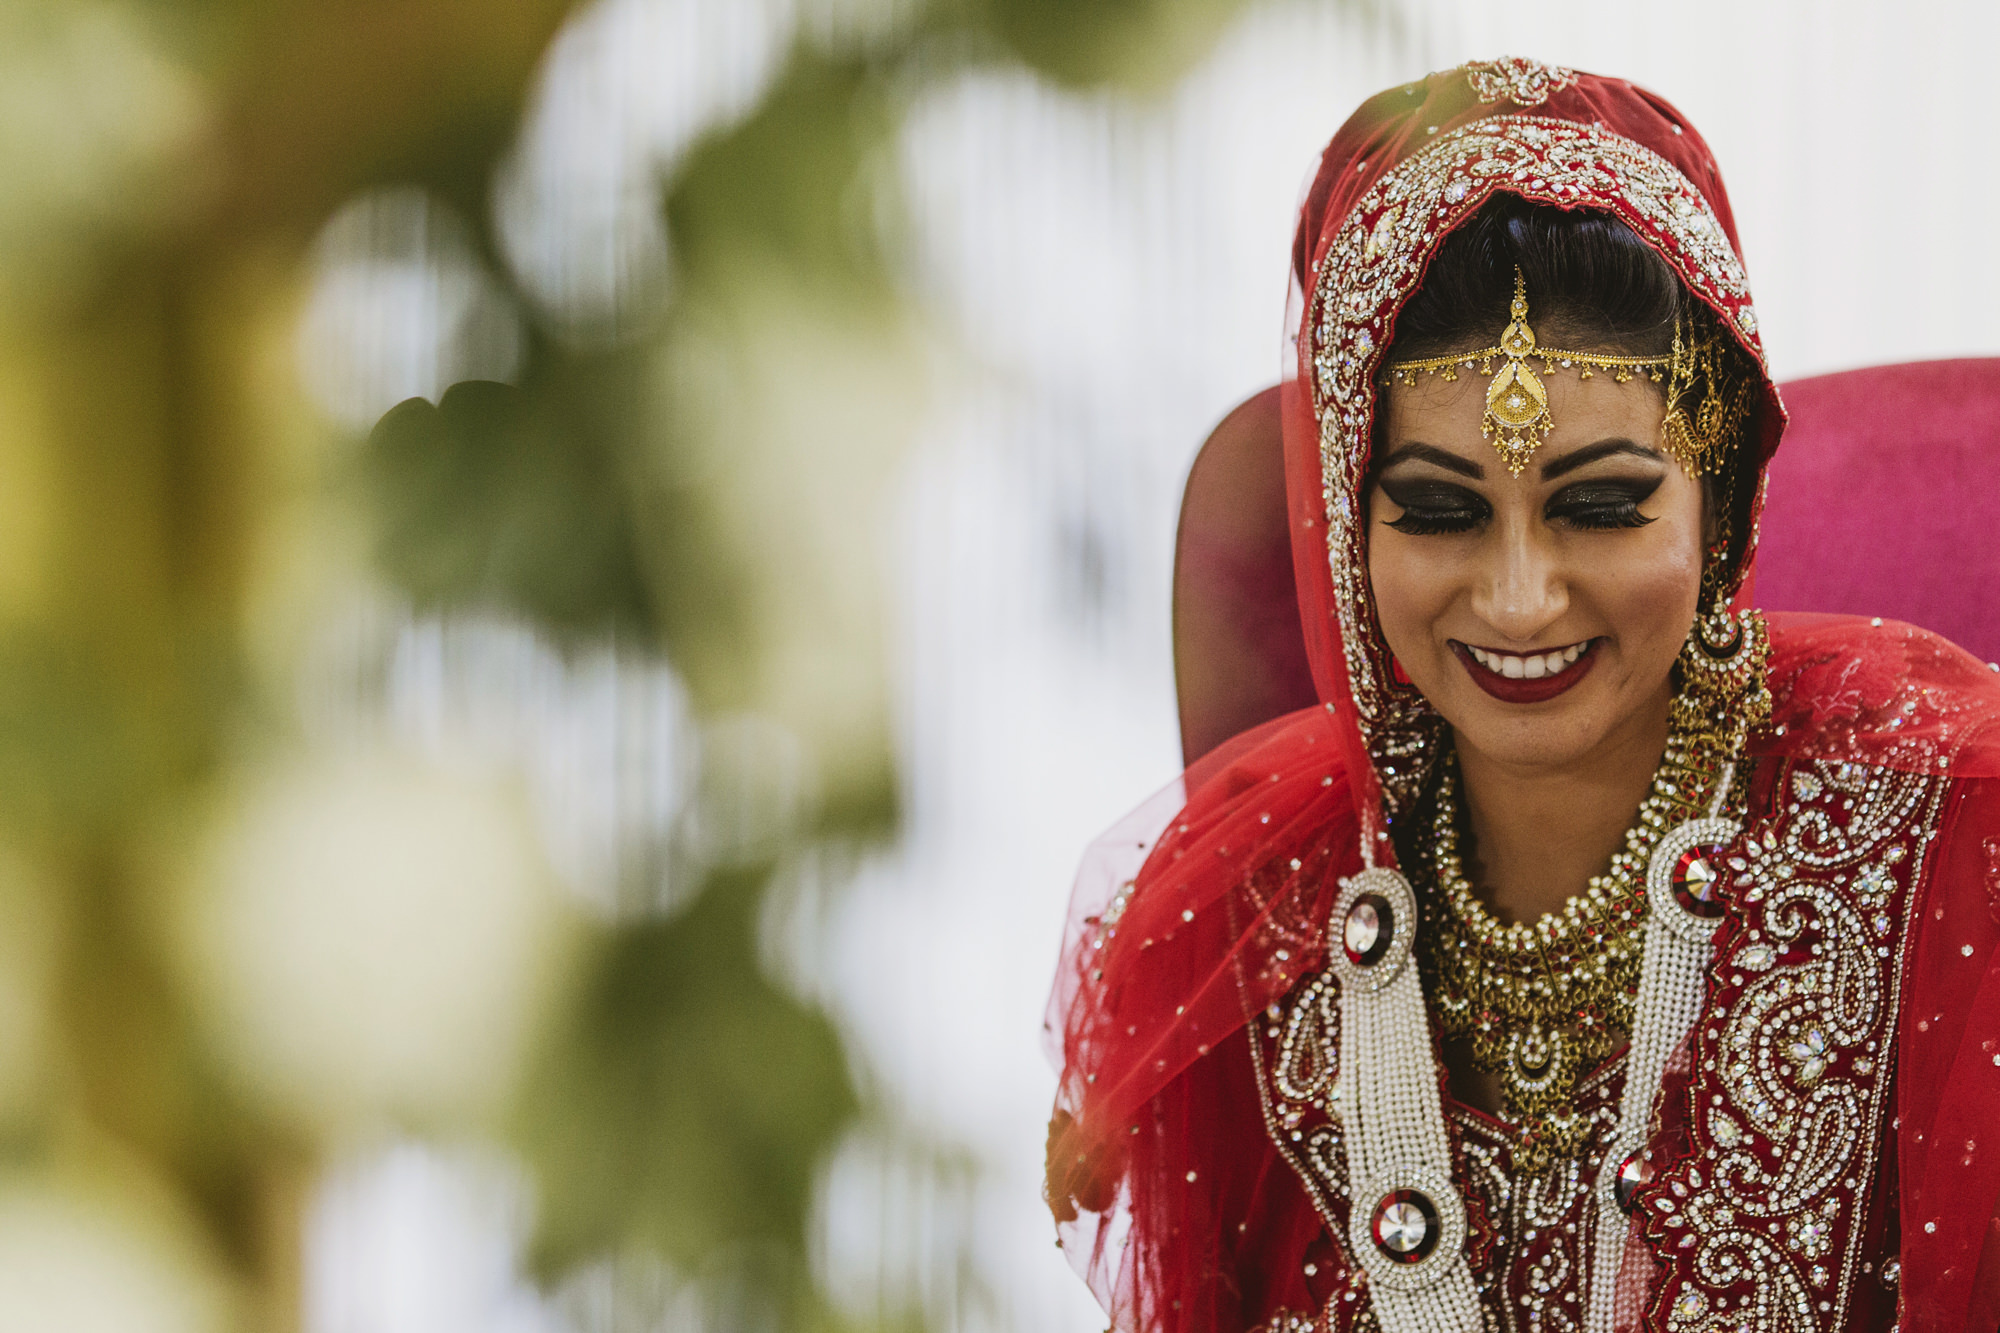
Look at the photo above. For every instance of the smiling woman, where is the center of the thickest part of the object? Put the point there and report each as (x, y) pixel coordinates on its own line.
(1599, 953)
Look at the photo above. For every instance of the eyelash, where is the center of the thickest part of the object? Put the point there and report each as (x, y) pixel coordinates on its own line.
(1605, 515)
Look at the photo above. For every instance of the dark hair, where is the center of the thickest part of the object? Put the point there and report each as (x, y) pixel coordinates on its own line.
(1592, 284)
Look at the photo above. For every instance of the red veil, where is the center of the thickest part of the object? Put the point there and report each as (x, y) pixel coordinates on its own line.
(1210, 904)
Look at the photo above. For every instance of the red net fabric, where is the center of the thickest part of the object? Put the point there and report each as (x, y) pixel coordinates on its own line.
(1161, 969)
(1191, 918)
(1880, 692)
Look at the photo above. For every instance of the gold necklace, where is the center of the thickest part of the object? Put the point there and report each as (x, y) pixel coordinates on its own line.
(1543, 1004)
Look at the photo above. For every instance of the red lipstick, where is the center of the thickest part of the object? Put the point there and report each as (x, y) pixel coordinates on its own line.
(1508, 689)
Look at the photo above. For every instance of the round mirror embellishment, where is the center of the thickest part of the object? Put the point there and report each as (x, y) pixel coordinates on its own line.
(1635, 1171)
(1414, 1231)
(1686, 871)
(1694, 880)
(1369, 929)
(1377, 914)
(1405, 1226)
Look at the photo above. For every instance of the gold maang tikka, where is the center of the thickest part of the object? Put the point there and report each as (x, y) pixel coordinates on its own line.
(1706, 406)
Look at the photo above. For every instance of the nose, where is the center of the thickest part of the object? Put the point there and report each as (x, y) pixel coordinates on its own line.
(1523, 590)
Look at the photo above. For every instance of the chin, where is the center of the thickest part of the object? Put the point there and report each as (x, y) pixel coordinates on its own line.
(1553, 733)
(1548, 741)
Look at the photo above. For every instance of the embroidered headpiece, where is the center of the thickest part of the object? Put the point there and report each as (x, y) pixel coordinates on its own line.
(1706, 404)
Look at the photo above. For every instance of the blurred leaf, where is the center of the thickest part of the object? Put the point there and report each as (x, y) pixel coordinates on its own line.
(789, 188)
(1142, 45)
(328, 96)
(688, 1103)
(495, 498)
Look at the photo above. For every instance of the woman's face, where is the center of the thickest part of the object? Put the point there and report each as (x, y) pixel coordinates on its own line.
(1540, 614)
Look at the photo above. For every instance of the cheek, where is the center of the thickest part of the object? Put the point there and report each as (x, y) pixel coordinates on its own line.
(1651, 589)
(1412, 588)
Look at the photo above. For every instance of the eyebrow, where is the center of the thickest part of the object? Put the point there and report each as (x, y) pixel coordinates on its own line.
(1430, 453)
(1591, 453)
(1570, 462)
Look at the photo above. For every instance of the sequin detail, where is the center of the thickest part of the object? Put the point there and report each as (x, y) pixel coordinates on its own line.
(1766, 1228)
(1518, 80)
(1763, 1224)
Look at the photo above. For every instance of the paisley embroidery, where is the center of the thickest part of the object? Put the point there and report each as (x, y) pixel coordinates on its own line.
(1514, 79)
(1762, 1225)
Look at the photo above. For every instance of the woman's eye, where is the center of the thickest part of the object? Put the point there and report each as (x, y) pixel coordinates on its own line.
(1431, 508)
(1597, 506)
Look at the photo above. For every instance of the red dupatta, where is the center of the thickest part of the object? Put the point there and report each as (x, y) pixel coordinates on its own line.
(1211, 906)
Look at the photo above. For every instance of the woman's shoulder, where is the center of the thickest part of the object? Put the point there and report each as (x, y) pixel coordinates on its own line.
(1854, 689)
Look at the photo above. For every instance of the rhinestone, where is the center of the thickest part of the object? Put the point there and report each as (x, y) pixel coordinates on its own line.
(1808, 1053)
(1633, 1172)
(1405, 1226)
(1695, 880)
(1371, 924)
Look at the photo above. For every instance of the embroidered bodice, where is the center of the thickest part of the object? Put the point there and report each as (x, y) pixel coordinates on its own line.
(1768, 1200)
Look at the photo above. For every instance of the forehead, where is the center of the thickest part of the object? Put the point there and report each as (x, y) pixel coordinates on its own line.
(1449, 414)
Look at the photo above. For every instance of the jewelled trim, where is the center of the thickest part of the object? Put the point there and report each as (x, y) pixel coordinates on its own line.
(1543, 1248)
(1517, 402)
(1285, 1321)
(1373, 263)
(1518, 80)
(1762, 1226)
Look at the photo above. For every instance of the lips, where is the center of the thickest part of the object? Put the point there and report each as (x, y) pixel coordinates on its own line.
(1527, 678)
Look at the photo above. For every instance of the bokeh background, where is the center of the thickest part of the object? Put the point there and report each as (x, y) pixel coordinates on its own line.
(574, 578)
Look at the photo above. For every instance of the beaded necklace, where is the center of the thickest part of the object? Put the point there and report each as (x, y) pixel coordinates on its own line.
(1543, 1004)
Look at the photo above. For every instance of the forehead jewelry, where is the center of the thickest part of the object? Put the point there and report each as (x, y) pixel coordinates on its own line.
(1517, 402)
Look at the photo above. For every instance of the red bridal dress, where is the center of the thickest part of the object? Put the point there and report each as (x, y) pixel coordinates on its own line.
(1825, 1149)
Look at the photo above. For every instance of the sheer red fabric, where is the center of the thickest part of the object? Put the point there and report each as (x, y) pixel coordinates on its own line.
(1209, 906)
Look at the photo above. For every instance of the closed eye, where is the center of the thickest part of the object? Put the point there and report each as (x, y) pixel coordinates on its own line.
(1431, 506)
(1603, 504)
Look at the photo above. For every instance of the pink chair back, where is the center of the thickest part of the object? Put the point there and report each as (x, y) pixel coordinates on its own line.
(1885, 500)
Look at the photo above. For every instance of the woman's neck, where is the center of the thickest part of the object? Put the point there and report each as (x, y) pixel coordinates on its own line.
(1539, 834)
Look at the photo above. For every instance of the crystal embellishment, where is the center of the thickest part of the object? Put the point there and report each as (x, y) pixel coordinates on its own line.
(1809, 1055)
(1405, 1226)
(1633, 1172)
(1369, 930)
(1695, 880)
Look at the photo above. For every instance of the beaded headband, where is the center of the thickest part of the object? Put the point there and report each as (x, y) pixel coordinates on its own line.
(1706, 404)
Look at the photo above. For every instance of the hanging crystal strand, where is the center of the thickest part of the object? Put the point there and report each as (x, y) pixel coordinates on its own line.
(1681, 921)
(1723, 697)
(1407, 1221)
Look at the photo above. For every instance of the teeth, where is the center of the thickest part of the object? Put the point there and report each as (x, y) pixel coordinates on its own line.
(1529, 668)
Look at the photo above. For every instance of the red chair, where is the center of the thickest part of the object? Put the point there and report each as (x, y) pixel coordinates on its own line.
(1884, 501)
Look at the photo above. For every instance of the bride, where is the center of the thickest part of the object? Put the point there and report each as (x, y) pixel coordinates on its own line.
(1601, 954)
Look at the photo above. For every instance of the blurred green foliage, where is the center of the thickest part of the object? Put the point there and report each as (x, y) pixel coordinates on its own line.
(504, 498)
(692, 1101)
(711, 491)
